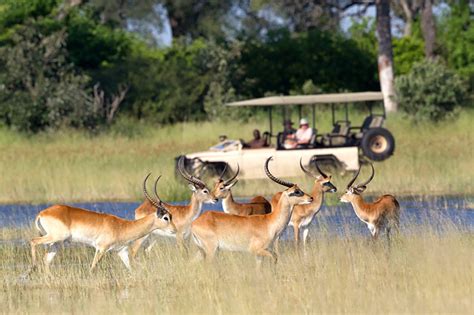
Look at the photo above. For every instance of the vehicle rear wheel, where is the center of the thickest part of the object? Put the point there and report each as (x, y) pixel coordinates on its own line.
(378, 144)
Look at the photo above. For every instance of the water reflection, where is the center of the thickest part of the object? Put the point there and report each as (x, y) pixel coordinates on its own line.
(437, 213)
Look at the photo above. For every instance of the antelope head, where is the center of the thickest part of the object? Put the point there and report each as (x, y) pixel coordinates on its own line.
(323, 179)
(355, 190)
(197, 186)
(294, 194)
(163, 220)
(222, 187)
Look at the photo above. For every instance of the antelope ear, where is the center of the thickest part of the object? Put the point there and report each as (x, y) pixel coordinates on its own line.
(360, 189)
(230, 185)
(192, 187)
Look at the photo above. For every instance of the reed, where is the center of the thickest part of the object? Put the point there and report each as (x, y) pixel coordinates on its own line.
(423, 272)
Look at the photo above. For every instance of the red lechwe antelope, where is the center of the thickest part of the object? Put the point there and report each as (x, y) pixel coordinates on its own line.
(255, 234)
(382, 213)
(183, 215)
(304, 214)
(257, 205)
(102, 231)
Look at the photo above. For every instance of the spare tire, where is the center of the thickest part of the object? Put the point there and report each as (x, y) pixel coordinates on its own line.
(378, 144)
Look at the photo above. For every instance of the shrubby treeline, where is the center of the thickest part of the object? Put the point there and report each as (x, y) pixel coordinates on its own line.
(79, 63)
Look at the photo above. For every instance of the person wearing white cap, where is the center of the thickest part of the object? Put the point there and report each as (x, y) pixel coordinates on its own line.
(302, 136)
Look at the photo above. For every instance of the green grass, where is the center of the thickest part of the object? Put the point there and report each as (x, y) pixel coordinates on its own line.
(74, 166)
(422, 273)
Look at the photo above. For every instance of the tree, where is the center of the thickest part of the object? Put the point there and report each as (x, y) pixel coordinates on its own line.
(385, 57)
(304, 15)
(193, 19)
(283, 62)
(39, 89)
(457, 40)
(428, 27)
(408, 10)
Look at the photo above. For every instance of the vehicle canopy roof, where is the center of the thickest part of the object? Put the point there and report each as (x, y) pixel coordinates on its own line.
(311, 99)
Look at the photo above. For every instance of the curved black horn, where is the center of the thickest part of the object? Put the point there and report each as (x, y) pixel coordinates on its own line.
(273, 178)
(233, 177)
(354, 178)
(370, 178)
(319, 169)
(221, 177)
(145, 192)
(304, 169)
(188, 177)
(156, 190)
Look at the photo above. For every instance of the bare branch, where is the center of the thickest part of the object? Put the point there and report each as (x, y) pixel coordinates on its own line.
(108, 108)
(116, 101)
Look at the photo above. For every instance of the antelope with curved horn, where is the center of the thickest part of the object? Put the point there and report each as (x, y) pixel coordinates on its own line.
(183, 215)
(222, 190)
(380, 214)
(256, 233)
(303, 215)
(102, 231)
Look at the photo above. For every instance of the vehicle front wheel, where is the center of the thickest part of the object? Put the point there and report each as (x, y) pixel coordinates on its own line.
(378, 144)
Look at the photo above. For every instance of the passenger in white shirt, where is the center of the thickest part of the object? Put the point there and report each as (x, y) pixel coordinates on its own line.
(301, 137)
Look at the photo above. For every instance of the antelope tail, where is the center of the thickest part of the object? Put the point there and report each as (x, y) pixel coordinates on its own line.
(39, 227)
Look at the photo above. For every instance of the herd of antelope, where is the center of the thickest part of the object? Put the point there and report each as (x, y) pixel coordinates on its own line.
(253, 227)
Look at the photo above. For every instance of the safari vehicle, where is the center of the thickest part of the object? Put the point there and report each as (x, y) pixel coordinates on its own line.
(343, 147)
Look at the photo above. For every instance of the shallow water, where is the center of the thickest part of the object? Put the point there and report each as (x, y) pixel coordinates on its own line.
(438, 213)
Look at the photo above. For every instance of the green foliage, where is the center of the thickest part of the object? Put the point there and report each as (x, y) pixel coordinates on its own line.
(457, 39)
(171, 86)
(363, 33)
(197, 19)
(38, 89)
(430, 91)
(92, 45)
(223, 63)
(103, 42)
(406, 52)
(286, 61)
(14, 12)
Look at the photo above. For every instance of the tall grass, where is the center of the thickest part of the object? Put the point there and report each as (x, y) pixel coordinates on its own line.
(75, 166)
(423, 272)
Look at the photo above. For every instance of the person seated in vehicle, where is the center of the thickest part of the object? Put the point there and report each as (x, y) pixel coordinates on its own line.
(258, 141)
(302, 136)
(288, 130)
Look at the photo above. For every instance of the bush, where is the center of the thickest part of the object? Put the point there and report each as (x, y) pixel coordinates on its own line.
(457, 39)
(430, 91)
(38, 88)
(406, 52)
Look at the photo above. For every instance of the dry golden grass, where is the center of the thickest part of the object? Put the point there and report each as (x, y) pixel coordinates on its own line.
(73, 166)
(423, 272)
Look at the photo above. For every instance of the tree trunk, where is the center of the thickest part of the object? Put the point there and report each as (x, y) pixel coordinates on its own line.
(385, 58)
(176, 24)
(407, 10)
(428, 27)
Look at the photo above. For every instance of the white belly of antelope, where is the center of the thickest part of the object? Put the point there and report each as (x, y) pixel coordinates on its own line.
(233, 247)
(162, 233)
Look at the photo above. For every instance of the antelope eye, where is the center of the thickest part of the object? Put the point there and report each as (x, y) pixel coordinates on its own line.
(205, 191)
(297, 193)
(166, 218)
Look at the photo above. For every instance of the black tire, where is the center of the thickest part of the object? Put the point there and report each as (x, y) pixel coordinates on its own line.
(378, 144)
